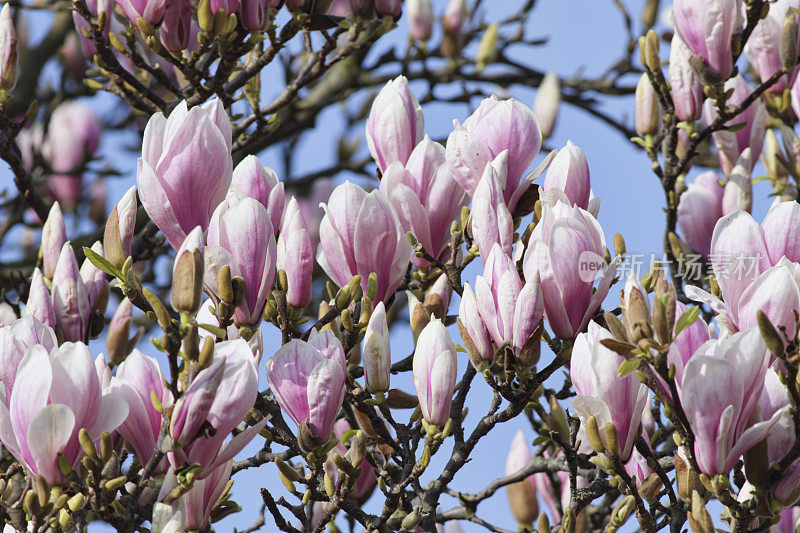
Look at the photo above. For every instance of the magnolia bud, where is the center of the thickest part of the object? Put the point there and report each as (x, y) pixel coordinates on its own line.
(648, 110)
(417, 314)
(788, 42)
(8, 49)
(117, 342)
(187, 274)
(54, 235)
(545, 106)
(377, 352)
(391, 8)
(420, 19)
(119, 230)
(487, 49)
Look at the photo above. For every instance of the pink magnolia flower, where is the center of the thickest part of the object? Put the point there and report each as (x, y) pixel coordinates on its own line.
(71, 300)
(360, 234)
(54, 235)
(425, 197)
(241, 235)
(763, 47)
(40, 302)
(569, 172)
(395, 124)
(255, 13)
(602, 393)
(307, 379)
(176, 28)
(547, 103)
(686, 87)
(8, 49)
(522, 494)
(509, 309)
(565, 252)
(720, 416)
(138, 379)
(435, 370)
(738, 192)
(261, 183)
(377, 351)
(492, 223)
(474, 333)
(420, 19)
(699, 209)
(496, 126)
(73, 136)
(707, 27)
(295, 256)
(220, 396)
(177, 193)
(730, 145)
(150, 10)
(53, 397)
(192, 511)
(756, 268)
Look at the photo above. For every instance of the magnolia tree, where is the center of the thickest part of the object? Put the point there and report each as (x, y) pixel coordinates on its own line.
(674, 404)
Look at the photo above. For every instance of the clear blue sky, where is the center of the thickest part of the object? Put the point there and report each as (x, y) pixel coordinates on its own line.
(585, 36)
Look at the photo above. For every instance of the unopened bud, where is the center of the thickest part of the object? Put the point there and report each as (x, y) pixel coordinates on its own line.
(411, 520)
(593, 434)
(487, 49)
(343, 297)
(8, 49)
(770, 335)
(648, 109)
(787, 45)
(187, 274)
(224, 285)
(76, 503)
(87, 444)
(547, 102)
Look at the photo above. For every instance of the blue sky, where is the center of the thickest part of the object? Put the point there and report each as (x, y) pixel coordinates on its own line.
(585, 36)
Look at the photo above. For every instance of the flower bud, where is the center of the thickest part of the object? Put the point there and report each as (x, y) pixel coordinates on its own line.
(648, 110)
(389, 8)
(395, 124)
(547, 102)
(40, 304)
(522, 494)
(788, 42)
(295, 255)
(453, 26)
(738, 192)
(8, 49)
(708, 27)
(187, 274)
(487, 48)
(117, 342)
(569, 172)
(54, 235)
(176, 28)
(434, 370)
(420, 19)
(317, 370)
(376, 352)
(119, 229)
(437, 300)
(687, 90)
